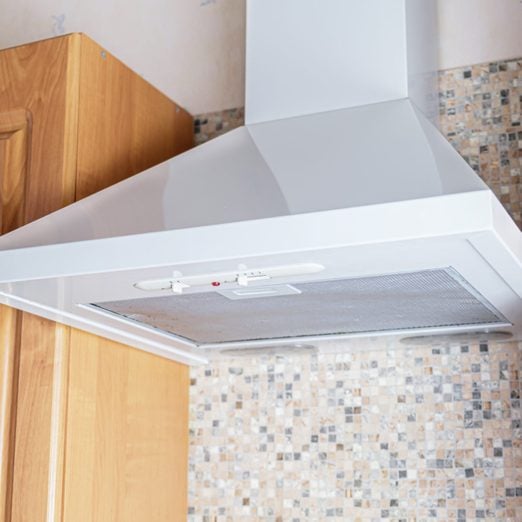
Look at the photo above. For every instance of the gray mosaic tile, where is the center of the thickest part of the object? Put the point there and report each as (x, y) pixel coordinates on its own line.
(343, 436)
(480, 114)
(416, 434)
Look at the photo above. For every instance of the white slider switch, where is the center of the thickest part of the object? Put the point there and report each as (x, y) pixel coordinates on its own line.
(178, 286)
(244, 279)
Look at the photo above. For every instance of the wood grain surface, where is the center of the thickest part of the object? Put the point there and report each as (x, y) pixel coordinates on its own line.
(125, 124)
(127, 434)
(90, 430)
(34, 77)
(14, 163)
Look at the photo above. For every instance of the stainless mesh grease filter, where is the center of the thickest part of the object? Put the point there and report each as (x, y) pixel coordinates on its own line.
(425, 299)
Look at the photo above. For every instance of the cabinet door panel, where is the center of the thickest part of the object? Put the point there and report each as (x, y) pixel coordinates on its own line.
(39, 124)
(14, 160)
(38, 77)
(40, 414)
(9, 353)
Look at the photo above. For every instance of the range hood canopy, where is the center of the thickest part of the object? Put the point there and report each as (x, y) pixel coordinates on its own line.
(338, 211)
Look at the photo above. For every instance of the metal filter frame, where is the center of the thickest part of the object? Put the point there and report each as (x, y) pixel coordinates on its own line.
(381, 303)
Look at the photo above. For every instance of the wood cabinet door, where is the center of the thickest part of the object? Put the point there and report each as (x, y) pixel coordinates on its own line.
(14, 162)
(90, 430)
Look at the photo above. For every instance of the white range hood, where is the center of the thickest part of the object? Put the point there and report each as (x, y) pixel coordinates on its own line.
(337, 212)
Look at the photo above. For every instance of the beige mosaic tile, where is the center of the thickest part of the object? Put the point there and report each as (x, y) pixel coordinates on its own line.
(213, 124)
(424, 433)
(480, 114)
(416, 434)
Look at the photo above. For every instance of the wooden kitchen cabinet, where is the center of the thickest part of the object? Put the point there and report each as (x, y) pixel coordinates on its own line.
(90, 430)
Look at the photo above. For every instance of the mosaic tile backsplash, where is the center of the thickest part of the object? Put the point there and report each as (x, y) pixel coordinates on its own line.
(213, 124)
(424, 433)
(480, 114)
(401, 434)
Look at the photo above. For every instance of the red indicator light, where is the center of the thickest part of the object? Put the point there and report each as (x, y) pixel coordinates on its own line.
(216, 283)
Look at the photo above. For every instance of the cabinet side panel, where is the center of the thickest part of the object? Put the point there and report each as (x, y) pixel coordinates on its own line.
(127, 434)
(127, 431)
(126, 125)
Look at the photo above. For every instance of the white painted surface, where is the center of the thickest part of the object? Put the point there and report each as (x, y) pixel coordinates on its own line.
(192, 50)
(312, 163)
(422, 56)
(448, 231)
(317, 206)
(305, 56)
(477, 31)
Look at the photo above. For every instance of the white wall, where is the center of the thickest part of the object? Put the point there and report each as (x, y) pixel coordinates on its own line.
(193, 50)
(476, 31)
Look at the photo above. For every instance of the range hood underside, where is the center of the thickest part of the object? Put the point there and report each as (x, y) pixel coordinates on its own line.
(469, 232)
(340, 165)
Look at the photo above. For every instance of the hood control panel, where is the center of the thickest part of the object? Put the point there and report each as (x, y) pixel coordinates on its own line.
(243, 277)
